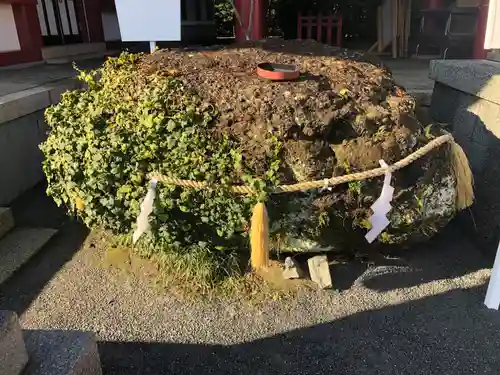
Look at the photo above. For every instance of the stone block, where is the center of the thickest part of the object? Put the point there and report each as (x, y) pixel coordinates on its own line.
(292, 269)
(480, 78)
(6, 221)
(464, 116)
(476, 154)
(13, 354)
(319, 271)
(57, 89)
(469, 93)
(422, 97)
(443, 103)
(55, 352)
(8, 109)
(488, 115)
(19, 246)
(22, 103)
(33, 100)
(20, 156)
(483, 136)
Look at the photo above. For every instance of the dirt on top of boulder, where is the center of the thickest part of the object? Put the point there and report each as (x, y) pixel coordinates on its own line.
(342, 115)
(336, 99)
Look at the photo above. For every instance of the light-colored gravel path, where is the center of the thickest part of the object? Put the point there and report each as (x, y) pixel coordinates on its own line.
(420, 314)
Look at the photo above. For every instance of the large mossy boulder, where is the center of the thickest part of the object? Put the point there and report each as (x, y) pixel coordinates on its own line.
(206, 115)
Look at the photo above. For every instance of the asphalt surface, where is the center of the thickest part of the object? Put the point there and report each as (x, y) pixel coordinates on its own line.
(420, 313)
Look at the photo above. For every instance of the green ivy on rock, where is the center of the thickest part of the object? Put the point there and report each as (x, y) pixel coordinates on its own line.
(106, 139)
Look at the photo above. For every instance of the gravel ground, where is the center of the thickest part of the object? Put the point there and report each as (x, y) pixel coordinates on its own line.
(418, 314)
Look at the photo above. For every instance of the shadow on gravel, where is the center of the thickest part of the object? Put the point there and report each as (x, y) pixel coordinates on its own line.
(450, 333)
(449, 254)
(34, 209)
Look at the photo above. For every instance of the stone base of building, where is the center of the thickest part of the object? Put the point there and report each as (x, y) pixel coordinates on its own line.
(466, 96)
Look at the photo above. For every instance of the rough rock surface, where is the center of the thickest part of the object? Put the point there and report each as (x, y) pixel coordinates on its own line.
(341, 116)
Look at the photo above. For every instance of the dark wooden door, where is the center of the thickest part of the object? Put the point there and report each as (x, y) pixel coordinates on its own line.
(58, 22)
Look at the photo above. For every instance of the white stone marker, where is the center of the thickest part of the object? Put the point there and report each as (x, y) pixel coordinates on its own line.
(492, 300)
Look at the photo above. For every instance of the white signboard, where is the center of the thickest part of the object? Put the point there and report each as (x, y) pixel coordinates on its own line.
(492, 37)
(149, 20)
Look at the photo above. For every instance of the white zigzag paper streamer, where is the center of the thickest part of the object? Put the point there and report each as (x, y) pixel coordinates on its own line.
(381, 207)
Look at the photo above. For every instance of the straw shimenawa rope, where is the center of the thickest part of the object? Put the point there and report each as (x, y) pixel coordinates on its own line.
(259, 230)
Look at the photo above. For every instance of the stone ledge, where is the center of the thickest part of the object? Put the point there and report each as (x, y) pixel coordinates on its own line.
(24, 102)
(480, 78)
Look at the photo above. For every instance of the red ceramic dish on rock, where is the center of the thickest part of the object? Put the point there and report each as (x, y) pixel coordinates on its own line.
(278, 72)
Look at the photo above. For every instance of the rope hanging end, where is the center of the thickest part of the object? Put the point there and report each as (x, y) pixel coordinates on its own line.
(463, 176)
(259, 237)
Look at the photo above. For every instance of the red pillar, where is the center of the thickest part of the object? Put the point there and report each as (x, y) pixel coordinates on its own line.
(259, 19)
(482, 18)
(89, 14)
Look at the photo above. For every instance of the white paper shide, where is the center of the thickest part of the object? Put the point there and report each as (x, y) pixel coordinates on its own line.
(381, 207)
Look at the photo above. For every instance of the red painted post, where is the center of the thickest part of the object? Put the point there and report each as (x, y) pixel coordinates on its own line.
(258, 20)
(309, 25)
(482, 18)
(329, 29)
(339, 30)
(319, 27)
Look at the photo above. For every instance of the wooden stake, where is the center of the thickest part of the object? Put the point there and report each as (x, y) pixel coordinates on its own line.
(259, 237)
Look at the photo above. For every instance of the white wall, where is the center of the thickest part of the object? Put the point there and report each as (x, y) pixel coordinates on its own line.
(9, 40)
(492, 37)
(110, 26)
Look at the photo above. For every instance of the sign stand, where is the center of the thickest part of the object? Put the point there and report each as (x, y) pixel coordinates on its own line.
(492, 300)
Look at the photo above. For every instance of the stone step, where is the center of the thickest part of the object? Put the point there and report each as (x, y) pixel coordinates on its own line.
(13, 355)
(64, 50)
(19, 246)
(55, 352)
(6, 221)
(80, 57)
